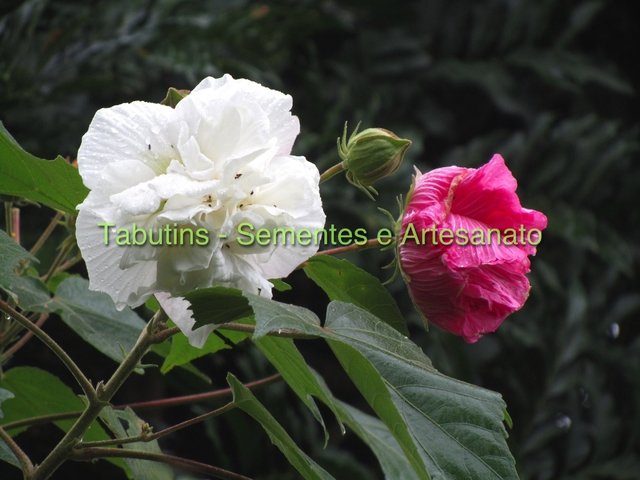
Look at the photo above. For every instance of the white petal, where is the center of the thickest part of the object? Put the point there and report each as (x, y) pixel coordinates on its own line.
(127, 287)
(137, 131)
(283, 126)
(177, 308)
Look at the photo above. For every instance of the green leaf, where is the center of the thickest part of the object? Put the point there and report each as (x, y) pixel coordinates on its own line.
(306, 383)
(445, 427)
(342, 280)
(217, 305)
(280, 285)
(246, 401)
(455, 428)
(271, 315)
(30, 293)
(140, 469)
(287, 359)
(379, 438)
(4, 395)
(6, 455)
(181, 352)
(94, 317)
(54, 183)
(37, 392)
(173, 97)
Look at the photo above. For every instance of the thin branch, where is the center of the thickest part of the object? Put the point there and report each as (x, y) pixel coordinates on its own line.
(46, 234)
(102, 396)
(41, 419)
(23, 458)
(57, 261)
(199, 397)
(354, 247)
(84, 383)
(11, 351)
(147, 405)
(69, 263)
(8, 225)
(146, 436)
(87, 454)
(281, 332)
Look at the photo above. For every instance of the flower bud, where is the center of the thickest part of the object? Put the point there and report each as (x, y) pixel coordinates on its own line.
(371, 155)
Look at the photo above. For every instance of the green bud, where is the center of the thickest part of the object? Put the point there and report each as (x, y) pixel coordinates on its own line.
(371, 155)
(173, 97)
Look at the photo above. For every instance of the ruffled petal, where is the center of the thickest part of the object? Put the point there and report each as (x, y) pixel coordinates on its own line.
(283, 126)
(127, 287)
(137, 131)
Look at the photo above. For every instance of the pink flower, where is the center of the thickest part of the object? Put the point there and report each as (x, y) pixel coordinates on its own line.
(468, 287)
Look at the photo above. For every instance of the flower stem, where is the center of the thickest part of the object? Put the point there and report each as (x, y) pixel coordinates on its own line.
(104, 392)
(23, 458)
(332, 171)
(83, 381)
(88, 454)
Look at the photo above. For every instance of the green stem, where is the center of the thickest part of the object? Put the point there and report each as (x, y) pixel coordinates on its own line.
(88, 454)
(145, 405)
(331, 172)
(57, 261)
(83, 381)
(281, 332)
(149, 437)
(8, 225)
(23, 458)
(46, 234)
(11, 351)
(103, 394)
(354, 247)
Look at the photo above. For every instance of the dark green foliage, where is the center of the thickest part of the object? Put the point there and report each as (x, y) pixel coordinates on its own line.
(547, 84)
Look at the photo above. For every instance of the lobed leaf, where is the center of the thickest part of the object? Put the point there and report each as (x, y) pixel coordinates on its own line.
(54, 183)
(246, 401)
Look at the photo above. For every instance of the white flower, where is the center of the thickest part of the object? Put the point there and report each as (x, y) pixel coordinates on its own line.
(220, 158)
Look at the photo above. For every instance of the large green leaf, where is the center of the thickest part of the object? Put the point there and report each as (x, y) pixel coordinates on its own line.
(447, 429)
(342, 280)
(246, 401)
(379, 438)
(456, 428)
(307, 384)
(140, 469)
(274, 316)
(94, 317)
(285, 357)
(54, 183)
(30, 293)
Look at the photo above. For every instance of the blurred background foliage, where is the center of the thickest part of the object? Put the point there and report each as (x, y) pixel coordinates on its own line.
(549, 84)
